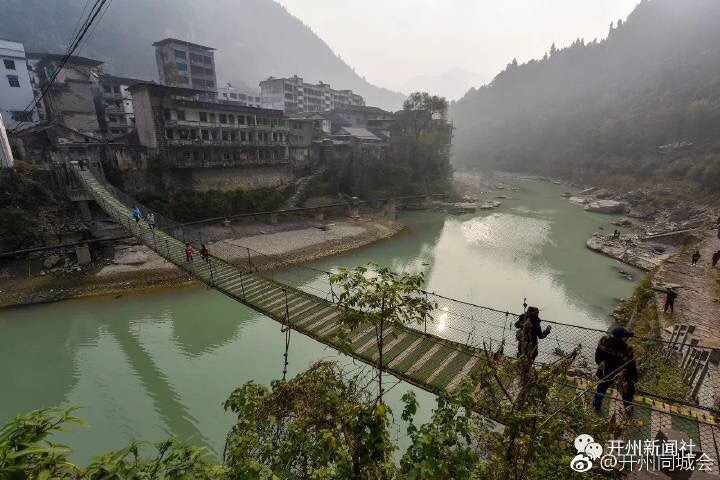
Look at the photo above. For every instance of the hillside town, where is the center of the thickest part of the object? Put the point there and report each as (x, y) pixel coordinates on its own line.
(206, 135)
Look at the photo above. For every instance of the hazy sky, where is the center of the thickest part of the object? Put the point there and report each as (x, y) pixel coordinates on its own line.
(391, 41)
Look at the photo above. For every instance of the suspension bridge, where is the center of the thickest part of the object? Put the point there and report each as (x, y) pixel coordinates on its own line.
(440, 354)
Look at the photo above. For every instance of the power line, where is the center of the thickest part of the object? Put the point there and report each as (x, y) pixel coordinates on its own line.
(75, 42)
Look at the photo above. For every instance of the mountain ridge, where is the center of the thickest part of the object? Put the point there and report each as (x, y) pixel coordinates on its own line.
(603, 108)
(254, 39)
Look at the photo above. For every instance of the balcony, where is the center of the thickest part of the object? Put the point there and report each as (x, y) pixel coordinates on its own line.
(199, 142)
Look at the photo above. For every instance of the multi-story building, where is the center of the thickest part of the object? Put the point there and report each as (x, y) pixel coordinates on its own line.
(191, 132)
(292, 95)
(72, 98)
(185, 64)
(228, 93)
(118, 114)
(16, 91)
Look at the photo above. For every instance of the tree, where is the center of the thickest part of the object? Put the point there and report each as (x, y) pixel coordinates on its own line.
(321, 424)
(499, 427)
(377, 296)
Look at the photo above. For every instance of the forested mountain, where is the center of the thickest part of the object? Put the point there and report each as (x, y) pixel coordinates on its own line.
(254, 39)
(602, 109)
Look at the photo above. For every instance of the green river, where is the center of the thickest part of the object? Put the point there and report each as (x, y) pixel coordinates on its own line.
(150, 366)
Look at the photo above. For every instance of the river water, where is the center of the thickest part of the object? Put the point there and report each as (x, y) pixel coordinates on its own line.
(148, 366)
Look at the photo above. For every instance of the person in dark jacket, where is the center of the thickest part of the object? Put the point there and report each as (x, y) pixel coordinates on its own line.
(670, 296)
(616, 364)
(695, 257)
(204, 253)
(529, 332)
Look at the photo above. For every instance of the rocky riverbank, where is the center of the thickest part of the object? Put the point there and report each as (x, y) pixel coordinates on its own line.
(136, 268)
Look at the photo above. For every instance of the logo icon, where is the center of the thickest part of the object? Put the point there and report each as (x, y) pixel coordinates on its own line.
(587, 451)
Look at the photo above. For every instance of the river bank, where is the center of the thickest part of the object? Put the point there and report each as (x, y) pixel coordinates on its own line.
(135, 268)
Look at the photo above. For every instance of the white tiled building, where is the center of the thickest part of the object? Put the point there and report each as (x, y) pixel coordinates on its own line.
(16, 92)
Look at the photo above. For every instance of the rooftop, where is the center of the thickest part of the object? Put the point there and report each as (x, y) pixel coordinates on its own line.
(168, 41)
(57, 57)
(121, 80)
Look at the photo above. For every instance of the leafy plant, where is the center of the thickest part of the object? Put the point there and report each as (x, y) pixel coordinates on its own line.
(376, 296)
(319, 425)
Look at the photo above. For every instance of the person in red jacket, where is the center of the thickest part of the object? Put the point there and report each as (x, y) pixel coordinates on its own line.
(188, 252)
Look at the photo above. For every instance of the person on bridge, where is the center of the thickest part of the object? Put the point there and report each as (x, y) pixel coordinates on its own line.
(715, 258)
(529, 332)
(695, 257)
(136, 214)
(204, 253)
(150, 217)
(670, 296)
(616, 364)
(188, 252)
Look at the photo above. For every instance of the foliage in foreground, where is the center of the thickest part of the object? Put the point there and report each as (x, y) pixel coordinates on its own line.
(325, 424)
(28, 452)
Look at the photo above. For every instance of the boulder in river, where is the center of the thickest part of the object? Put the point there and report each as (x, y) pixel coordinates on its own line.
(606, 206)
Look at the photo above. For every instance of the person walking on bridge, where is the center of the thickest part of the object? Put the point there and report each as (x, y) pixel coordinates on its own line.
(188, 252)
(616, 364)
(670, 296)
(695, 257)
(136, 214)
(715, 258)
(150, 217)
(204, 253)
(529, 332)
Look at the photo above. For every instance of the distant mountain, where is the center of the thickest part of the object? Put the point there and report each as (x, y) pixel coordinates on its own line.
(452, 84)
(254, 39)
(600, 109)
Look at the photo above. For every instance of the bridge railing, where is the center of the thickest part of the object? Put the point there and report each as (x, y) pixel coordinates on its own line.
(678, 371)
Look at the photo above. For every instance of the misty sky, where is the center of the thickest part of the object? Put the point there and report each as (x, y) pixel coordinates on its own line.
(391, 41)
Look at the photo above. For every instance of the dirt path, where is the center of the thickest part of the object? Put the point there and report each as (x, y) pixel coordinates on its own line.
(698, 300)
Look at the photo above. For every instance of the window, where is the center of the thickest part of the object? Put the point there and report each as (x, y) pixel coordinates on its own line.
(182, 66)
(210, 84)
(116, 89)
(193, 134)
(198, 82)
(166, 114)
(112, 118)
(212, 117)
(225, 135)
(213, 134)
(231, 118)
(233, 136)
(195, 58)
(187, 155)
(169, 133)
(21, 116)
(9, 64)
(207, 60)
(180, 114)
(203, 116)
(242, 137)
(181, 54)
(13, 80)
(226, 156)
(241, 119)
(233, 95)
(205, 134)
(107, 88)
(223, 118)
